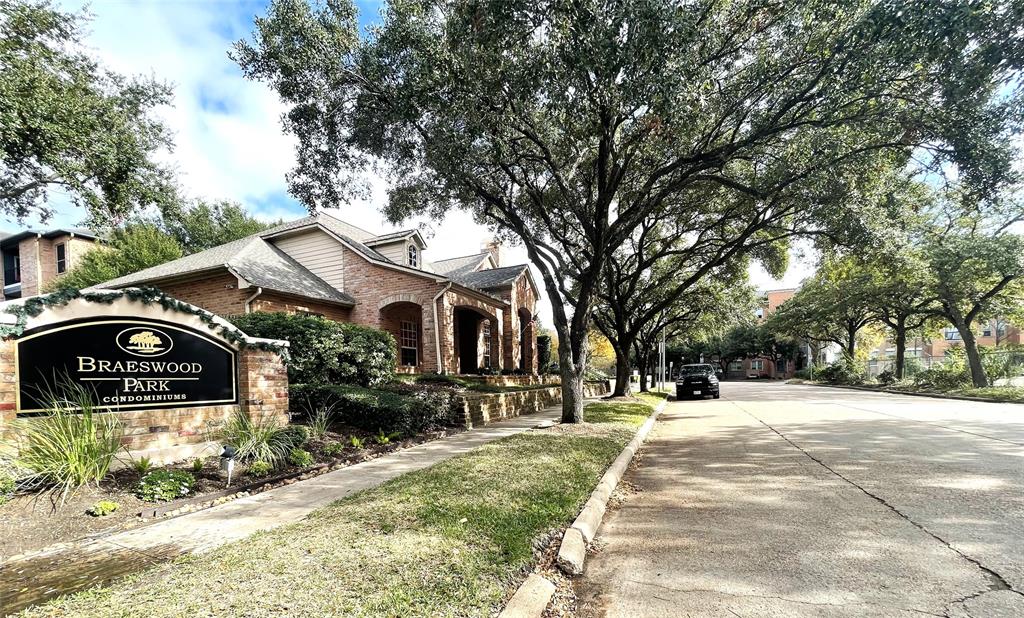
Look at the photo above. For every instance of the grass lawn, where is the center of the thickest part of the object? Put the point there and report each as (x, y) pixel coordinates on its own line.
(451, 540)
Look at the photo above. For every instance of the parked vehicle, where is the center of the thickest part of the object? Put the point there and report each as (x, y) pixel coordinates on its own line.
(697, 380)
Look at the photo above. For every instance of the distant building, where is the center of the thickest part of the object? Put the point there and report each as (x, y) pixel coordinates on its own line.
(765, 367)
(34, 258)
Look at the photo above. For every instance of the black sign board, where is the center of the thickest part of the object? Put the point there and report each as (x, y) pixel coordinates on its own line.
(127, 363)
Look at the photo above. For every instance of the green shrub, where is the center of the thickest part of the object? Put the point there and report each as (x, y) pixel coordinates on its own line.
(840, 372)
(260, 469)
(802, 374)
(334, 449)
(326, 352)
(943, 378)
(356, 442)
(262, 438)
(386, 438)
(7, 486)
(296, 435)
(165, 485)
(301, 458)
(198, 464)
(71, 446)
(886, 378)
(544, 354)
(103, 508)
(403, 408)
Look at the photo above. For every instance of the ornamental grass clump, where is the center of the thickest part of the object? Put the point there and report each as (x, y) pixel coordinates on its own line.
(261, 438)
(71, 446)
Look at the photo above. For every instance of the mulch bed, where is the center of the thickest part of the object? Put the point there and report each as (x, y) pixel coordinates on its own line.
(33, 522)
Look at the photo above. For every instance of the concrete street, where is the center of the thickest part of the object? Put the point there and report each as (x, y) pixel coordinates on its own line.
(788, 500)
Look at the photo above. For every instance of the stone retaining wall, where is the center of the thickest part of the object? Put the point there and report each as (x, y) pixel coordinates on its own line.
(514, 380)
(483, 408)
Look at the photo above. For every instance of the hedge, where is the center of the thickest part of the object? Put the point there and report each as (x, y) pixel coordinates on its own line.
(326, 352)
(403, 408)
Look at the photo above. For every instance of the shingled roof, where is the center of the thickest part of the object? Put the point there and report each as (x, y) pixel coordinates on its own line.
(459, 265)
(251, 258)
(490, 278)
(259, 262)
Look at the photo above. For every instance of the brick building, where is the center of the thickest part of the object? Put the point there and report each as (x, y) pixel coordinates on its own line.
(34, 258)
(466, 314)
(765, 367)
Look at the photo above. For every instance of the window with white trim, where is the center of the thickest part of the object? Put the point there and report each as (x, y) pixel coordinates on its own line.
(757, 364)
(414, 256)
(487, 343)
(409, 342)
(736, 366)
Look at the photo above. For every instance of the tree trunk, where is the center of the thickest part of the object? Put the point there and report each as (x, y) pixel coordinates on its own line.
(901, 349)
(622, 387)
(643, 363)
(978, 377)
(571, 368)
(851, 342)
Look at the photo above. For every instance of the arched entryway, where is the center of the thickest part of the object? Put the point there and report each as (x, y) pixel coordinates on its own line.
(404, 320)
(477, 341)
(527, 338)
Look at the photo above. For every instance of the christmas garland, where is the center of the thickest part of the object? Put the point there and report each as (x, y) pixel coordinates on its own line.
(34, 306)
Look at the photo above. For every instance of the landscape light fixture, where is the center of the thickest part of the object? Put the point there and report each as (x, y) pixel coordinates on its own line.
(227, 461)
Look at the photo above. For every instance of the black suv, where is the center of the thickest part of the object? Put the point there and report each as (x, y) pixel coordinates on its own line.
(697, 381)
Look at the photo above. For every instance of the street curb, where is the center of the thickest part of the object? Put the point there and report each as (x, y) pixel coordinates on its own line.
(573, 551)
(891, 391)
(530, 600)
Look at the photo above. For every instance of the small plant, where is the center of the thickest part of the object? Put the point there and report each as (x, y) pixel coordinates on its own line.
(260, 468)
(383, 438)
(7, 486)
(300, 457)
(356, 442)
(321, 417)
(71, 446)
(334, 449)
(103, 508)
(165, 485)
(142, 466)
(296, 435)
(198, 464)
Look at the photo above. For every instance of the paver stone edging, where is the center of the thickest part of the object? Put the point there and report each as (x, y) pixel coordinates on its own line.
(892, 391)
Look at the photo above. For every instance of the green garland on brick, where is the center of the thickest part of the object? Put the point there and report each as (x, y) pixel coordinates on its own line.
(34, 306)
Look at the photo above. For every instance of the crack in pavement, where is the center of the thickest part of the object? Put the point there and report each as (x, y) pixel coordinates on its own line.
(777, 598)
(996, 581)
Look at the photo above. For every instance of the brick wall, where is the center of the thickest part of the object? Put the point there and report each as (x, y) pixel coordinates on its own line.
(28, 251)
(269, 301)
(216, 293)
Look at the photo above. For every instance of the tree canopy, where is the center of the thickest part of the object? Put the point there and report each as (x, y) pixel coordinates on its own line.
(68, 124)
(200, 225)
(566, 124)
(128, 250)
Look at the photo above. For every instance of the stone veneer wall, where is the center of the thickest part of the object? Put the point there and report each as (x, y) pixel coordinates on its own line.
(483, 408)
(514, 380)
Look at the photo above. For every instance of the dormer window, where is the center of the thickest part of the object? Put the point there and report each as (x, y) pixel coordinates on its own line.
(414, 256)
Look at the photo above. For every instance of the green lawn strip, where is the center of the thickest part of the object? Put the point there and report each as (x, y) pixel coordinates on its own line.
(450, 540)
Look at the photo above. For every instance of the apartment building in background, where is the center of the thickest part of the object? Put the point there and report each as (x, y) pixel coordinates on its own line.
(765, 367)
(34, 258)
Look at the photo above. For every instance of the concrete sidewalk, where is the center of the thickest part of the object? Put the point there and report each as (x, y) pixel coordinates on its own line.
(80, 565)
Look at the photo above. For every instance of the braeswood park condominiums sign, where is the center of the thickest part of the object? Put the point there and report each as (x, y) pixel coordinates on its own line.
(126, 364)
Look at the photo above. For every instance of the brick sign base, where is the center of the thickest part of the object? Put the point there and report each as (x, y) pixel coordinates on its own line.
(262, 381)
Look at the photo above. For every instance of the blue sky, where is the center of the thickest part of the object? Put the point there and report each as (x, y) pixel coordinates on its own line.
(229, 143)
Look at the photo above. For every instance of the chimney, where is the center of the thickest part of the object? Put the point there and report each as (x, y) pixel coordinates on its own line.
(493, 247)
